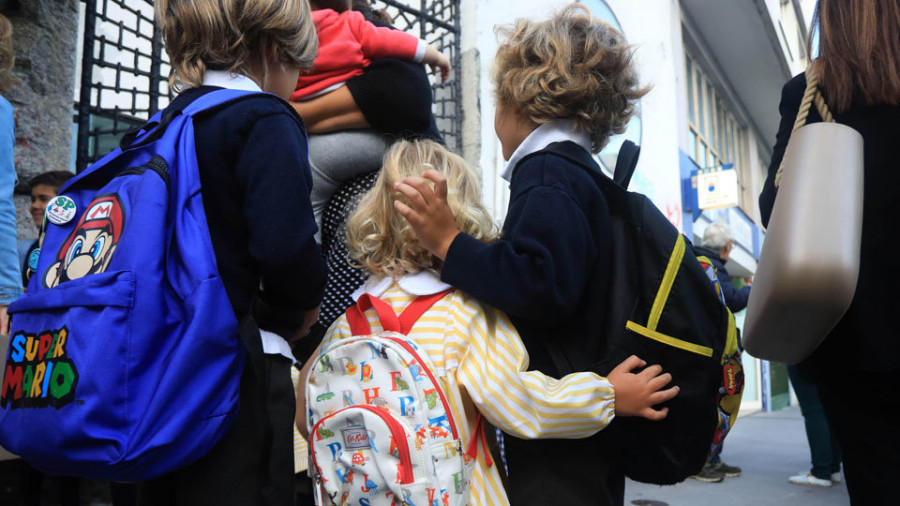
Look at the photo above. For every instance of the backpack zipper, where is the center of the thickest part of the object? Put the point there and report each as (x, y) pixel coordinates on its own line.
(156, 164)
(406, 474)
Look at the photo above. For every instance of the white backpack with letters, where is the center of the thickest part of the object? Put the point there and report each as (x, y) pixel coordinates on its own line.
(381, 430)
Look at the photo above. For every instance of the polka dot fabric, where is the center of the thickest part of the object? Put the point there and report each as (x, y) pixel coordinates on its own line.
(342, 278)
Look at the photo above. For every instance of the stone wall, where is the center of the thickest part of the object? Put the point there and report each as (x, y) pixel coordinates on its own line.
(45, 38)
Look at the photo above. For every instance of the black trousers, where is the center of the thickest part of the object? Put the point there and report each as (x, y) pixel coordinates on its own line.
(861, 407)
(246, 468)
(562, 471)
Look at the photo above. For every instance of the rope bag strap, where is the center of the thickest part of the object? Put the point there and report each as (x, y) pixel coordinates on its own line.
(810, 96)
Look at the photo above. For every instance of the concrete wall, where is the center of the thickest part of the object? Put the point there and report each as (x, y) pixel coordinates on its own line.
(45, 33)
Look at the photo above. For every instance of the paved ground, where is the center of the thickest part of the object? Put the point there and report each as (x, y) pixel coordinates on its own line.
(769, 447)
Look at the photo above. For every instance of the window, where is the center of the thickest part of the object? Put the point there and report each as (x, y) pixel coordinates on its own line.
(714, 135)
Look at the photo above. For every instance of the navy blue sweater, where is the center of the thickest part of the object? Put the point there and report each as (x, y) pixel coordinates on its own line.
(549, 273)
(255, 181)
(541, 273)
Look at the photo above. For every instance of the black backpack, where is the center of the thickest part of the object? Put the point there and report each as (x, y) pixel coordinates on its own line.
(665, 307)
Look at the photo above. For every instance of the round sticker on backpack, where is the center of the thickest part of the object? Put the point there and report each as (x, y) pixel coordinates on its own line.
(33, 259)
(61, 210)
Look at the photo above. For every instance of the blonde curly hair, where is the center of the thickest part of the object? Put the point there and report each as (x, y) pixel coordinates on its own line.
(571, 66)
(381, 241)
(234, 36)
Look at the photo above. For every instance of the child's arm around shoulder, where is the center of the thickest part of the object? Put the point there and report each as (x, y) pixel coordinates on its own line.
(529, 404)
(541, 266)
(381, 42)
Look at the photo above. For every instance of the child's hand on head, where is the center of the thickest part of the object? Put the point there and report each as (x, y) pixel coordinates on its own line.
(636, 394)
(428, 213)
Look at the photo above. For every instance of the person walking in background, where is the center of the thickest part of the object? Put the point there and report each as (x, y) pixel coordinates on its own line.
(825, 451)
(855, 368)
(718, 241)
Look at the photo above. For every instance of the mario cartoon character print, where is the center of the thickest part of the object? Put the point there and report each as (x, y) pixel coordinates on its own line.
(92, 243)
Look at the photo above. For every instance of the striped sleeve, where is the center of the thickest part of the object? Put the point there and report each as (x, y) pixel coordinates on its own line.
(526, 404)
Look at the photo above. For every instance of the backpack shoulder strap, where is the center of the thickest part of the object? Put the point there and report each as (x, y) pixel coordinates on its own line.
(156, 126)
(386, 315)
(626, 163)
(417, 308)
(219, 98)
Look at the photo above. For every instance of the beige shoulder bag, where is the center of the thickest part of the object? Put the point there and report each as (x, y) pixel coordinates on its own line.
(809, 264)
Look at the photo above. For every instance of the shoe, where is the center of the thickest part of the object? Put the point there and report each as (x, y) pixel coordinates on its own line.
(836, 477)
(709, 474)
(727, 471)
(809, 480)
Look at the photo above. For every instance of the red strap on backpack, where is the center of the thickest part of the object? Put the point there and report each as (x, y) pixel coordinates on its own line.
(389, 320)
(472, 449)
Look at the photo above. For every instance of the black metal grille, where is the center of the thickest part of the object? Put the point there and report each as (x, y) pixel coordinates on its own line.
(123, 74)
(124, 68)
(436, 22)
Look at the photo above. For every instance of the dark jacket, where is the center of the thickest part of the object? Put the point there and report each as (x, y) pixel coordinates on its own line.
(866, 337)
(736, 300)
(557, 232)
(255, 181)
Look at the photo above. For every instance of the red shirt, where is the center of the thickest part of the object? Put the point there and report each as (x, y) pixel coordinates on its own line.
(348, 44)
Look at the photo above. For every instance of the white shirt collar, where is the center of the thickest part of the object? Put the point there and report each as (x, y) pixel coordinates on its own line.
(229, 80)
(420, 283)
(544, 135)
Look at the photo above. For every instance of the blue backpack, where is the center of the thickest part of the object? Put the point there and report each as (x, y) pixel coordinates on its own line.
(124, 360)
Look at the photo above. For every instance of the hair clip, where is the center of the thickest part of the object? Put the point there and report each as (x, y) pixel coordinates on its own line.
(428, 165)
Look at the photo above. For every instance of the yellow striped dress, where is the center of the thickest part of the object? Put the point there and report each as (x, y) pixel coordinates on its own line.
(481, 364)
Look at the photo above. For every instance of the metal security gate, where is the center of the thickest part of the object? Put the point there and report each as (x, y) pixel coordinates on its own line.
(123, 74)
(124, 69)
(436, 22)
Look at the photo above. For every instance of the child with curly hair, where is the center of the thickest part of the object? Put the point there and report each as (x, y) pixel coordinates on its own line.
(479, 360)
(563, 87)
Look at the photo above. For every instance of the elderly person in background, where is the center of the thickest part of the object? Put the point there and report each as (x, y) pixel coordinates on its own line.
(718, 240)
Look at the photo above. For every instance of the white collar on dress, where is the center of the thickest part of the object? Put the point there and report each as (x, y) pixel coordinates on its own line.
(420, 283)
(555, 131)
(229, 80)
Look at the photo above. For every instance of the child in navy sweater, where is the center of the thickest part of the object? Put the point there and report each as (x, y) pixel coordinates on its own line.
(562, 85)
(252, 159)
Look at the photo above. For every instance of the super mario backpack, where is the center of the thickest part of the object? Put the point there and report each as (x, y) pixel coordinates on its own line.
(662, 305)
(381, 430)
(124, 360)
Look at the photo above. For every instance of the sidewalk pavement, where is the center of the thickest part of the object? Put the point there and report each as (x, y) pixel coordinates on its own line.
(768, 447)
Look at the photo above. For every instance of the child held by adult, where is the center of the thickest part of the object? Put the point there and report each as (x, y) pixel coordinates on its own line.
(562, 84)
(474, 347)
(348, 44)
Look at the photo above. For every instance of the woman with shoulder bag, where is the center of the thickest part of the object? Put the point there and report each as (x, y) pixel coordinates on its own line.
(856, 367)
